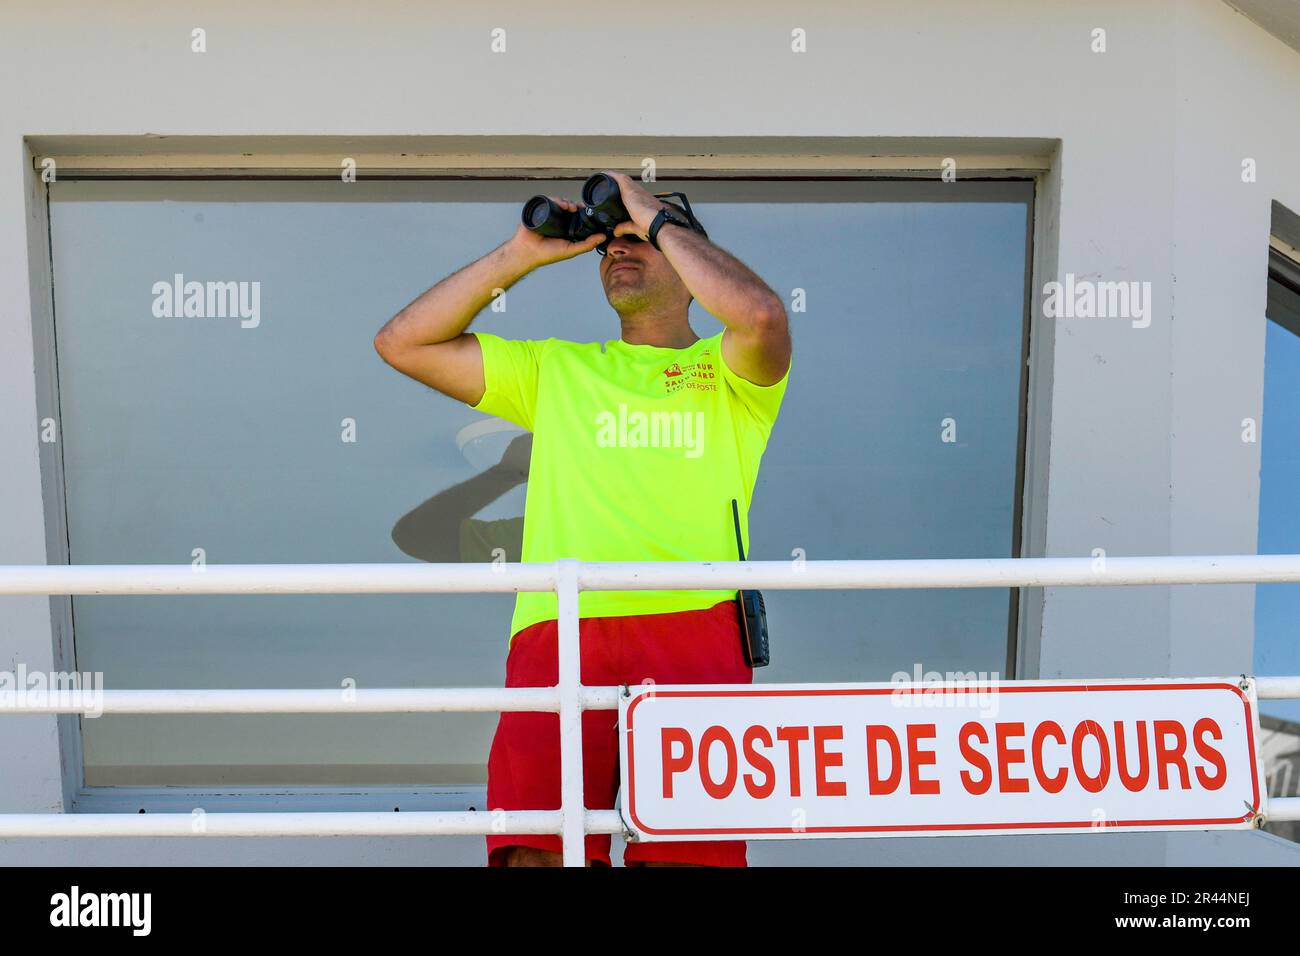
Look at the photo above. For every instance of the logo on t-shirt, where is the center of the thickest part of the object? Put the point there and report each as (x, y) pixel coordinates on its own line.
(697, 375)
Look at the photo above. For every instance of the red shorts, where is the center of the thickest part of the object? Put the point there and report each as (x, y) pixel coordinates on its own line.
(683, 647)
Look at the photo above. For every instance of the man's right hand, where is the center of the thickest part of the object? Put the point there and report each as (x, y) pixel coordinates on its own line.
(542, 251)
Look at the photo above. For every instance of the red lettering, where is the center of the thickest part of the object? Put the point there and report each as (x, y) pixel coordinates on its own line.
(716, 734)
(1203, 726)
(822, 760)
(1082, 732)
(674, 765)
(1138, 781)
(759, 763)
(1165, 756)
(975, 758)
(1051, 784)
(793, 736)
(916, 758)
(1008, 756)
(875, 735)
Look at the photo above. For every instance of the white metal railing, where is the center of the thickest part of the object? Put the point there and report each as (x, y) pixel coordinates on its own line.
(569, 698)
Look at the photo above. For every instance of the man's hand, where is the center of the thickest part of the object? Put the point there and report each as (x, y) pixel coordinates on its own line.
(640, 204)
(537, 250)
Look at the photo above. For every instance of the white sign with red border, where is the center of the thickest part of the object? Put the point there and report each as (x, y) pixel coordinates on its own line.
(739, 762)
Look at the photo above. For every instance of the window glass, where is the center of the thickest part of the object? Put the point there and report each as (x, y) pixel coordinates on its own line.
(273, 433)
(1277, 606)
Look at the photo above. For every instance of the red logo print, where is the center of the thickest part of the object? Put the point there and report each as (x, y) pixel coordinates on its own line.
(697, 376)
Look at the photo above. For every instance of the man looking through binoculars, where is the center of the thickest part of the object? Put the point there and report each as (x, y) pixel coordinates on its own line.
(596, 500)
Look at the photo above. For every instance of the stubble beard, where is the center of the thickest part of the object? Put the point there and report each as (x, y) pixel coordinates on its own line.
(630, 297)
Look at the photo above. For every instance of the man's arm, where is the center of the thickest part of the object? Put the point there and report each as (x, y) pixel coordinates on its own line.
(756, 343)
(427, 339)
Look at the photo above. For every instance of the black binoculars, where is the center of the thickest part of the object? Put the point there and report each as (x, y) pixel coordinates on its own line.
(601, 210)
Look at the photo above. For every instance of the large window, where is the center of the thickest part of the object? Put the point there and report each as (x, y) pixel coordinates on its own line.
(1277, 606)
(265, 429)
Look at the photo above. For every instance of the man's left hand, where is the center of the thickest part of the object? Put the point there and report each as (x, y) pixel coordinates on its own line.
(640, 204)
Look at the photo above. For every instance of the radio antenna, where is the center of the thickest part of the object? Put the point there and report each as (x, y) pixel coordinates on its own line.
(735, 516)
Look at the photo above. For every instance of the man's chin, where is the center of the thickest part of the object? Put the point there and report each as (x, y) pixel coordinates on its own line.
(624, 295)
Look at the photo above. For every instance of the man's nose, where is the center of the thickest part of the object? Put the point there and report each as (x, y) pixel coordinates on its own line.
(624, 244)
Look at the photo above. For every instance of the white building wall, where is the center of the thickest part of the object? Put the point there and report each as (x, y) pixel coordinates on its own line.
(1144, 454)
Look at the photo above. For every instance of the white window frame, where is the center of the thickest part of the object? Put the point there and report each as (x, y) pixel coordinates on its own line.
(523, 157)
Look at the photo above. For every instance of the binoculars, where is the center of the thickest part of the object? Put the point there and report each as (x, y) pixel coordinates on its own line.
(602, 209)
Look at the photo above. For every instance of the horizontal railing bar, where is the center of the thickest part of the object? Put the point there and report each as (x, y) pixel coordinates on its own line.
(943, 573)
(346, 823)
(374, 701)
(409, 578)
(1283, 810)
(1277, 688)
(669, 575)
(286, 701)
(301, 701)
(350, 823)
(605, 698)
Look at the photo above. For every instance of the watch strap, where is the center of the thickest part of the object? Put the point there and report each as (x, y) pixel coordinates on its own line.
(665, 215)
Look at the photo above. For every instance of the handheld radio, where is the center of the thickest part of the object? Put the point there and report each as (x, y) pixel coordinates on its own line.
(751, 611)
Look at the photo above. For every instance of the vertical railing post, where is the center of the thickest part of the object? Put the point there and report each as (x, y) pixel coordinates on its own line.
(572, 802)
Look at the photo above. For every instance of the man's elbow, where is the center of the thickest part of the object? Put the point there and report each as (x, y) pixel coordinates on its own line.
(387, 348)
(770, 319)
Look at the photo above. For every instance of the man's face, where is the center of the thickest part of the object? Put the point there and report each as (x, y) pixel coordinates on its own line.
(635, 274)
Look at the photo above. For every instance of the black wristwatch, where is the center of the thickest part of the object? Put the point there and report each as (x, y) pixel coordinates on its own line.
(666, 215)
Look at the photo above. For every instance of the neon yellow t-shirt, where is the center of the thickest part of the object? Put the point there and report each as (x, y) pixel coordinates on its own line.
(637, 453)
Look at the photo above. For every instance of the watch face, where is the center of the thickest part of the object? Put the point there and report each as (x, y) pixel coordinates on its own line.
(666, 216)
